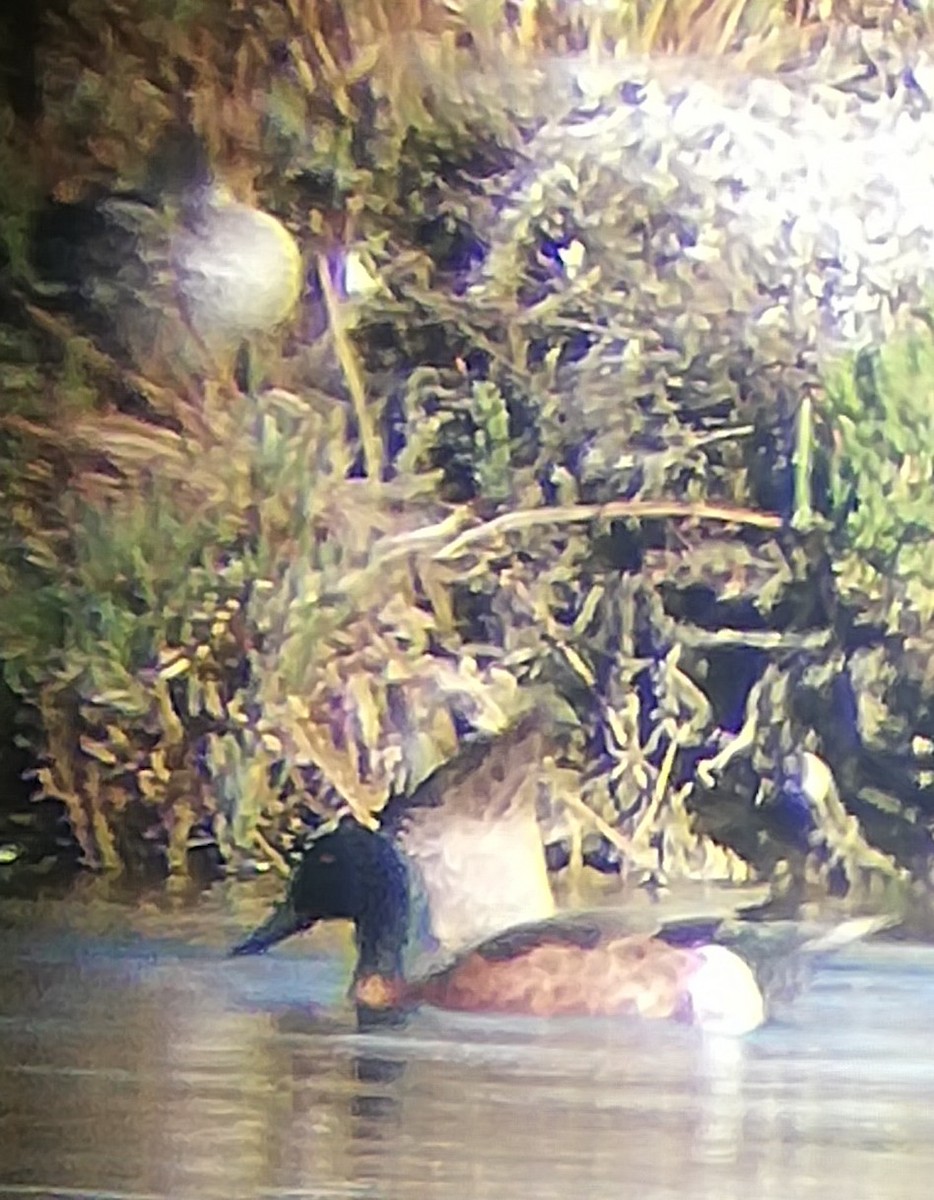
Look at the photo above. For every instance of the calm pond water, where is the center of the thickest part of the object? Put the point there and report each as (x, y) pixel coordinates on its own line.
(136, 1062)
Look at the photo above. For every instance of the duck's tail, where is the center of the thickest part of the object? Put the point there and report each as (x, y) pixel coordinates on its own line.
(781, 954)
(829, 939)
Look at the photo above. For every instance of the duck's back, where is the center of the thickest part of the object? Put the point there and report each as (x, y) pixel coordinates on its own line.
(722, 976)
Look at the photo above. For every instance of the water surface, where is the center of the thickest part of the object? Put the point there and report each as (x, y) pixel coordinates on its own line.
(137, 1062)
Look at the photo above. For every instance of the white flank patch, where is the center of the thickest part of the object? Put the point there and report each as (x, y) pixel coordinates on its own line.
(724, 994)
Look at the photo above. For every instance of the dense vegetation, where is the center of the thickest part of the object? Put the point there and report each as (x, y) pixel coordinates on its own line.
(520, 453)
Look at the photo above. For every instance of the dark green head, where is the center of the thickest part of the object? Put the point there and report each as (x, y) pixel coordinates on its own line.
(348, 873)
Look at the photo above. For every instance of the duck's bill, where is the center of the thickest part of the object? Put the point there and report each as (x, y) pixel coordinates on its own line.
(281, 923)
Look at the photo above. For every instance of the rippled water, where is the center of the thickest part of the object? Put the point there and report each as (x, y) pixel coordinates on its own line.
(137, 1062)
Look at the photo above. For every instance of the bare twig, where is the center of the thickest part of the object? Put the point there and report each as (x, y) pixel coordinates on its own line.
(613, 509)
(278, 861)
(372, 455)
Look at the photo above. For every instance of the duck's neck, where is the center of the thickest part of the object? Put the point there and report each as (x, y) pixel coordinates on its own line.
(381, 924)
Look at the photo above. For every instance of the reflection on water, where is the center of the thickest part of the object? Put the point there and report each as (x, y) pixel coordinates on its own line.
(145, 1064)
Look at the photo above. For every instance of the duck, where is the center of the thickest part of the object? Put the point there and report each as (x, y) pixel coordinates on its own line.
(724, 976)
(175, 269)
(468, 837)
(239, 270)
